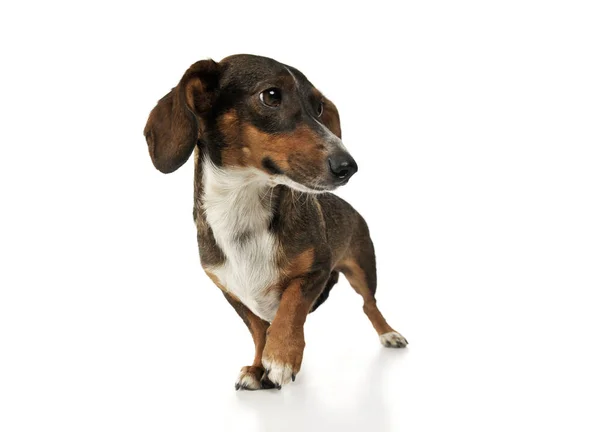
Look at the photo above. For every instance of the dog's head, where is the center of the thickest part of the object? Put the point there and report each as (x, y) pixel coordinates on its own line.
(250, 111)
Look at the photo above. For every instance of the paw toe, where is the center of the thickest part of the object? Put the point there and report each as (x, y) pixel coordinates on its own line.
(278, 373)
(249, 378)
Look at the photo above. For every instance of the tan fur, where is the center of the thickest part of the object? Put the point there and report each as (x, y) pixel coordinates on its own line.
(302, 142)
(258, 329)
(357, 279)
(285, 337)
(216, 281)
(245, 145)
(300, 264)
(250, 377)
(233, 154)
(294, 268)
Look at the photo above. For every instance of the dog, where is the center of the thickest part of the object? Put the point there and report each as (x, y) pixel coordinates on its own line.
(268, 151)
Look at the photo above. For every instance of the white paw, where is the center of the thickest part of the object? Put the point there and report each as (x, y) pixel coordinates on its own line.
(393, 340)
(247, 380)
(279, 373)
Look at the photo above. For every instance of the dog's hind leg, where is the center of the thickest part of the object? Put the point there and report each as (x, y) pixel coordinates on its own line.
(358, 266)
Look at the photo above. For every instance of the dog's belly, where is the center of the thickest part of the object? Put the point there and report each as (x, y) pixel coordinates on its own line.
(249, 273)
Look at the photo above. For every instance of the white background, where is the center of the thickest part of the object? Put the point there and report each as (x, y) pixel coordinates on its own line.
(476, 129)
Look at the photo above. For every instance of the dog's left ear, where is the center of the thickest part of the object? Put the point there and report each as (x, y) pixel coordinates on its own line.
(331, 118)
(176, 123)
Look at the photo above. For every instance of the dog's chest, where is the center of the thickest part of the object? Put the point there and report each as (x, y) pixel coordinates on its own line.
(239, 219)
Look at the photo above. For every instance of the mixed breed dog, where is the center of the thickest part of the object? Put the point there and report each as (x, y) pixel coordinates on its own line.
(267, 150)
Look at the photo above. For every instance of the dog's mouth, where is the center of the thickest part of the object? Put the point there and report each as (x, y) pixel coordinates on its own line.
(304, 176)
(303, 187)
(308, 186)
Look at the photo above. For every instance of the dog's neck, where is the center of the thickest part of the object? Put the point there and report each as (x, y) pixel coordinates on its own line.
(236, 202)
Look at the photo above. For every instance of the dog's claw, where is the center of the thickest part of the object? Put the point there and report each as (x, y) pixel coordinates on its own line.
(293, 377)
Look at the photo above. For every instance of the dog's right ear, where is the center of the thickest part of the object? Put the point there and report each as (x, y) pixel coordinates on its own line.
(176, 123)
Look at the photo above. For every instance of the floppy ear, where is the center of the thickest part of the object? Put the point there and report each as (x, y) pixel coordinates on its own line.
(176, 123)
(331, 118)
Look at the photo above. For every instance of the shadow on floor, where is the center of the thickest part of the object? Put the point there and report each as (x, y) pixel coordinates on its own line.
(298, 409)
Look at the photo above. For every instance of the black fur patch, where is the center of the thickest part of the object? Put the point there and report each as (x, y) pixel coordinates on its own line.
(333, 278)
(271, 166)
(275, 222)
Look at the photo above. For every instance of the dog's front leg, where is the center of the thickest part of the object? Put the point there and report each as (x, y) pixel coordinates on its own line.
(282, 355)
(252, 377)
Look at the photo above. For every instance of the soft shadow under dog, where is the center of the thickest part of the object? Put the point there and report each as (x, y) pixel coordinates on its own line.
(300, 410)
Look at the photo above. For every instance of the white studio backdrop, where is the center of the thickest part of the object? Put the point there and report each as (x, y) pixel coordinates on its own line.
(476, 129)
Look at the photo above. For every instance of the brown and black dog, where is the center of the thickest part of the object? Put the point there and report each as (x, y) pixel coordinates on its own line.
(267, 151)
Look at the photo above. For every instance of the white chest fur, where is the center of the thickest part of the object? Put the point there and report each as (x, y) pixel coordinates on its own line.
(235, 208)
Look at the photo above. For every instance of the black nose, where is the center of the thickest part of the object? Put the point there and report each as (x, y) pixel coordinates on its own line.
(342, 166)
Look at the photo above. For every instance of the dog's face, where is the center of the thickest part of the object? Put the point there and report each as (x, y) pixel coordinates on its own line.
(249, 111)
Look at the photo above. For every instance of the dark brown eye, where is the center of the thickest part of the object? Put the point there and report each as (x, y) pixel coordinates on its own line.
(320, 109)
(271, 97)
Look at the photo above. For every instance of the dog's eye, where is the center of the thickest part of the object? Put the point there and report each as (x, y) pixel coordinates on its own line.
(320, 109)
(271, 97)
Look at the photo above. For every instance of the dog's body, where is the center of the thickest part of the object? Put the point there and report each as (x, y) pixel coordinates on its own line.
(267, 148)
